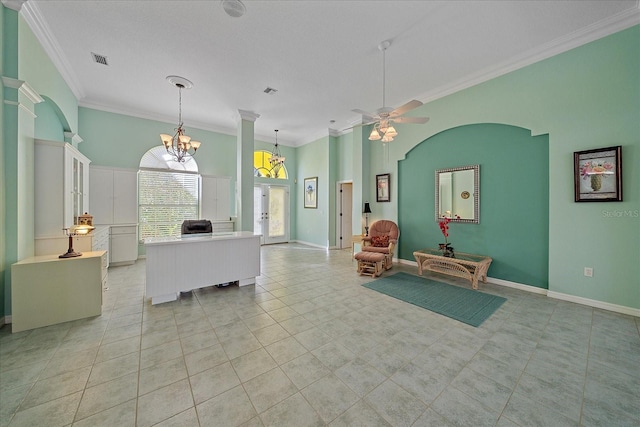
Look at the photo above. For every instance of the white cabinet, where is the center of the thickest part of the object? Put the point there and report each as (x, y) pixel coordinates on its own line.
(114, 195)
(46, 290)
(123, 244)
(125, 196)
(101, 241)
(61, 182)
(114, 203)
(215, 204)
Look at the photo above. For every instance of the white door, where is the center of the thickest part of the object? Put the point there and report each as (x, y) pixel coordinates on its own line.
(344, 205)
(271, 213)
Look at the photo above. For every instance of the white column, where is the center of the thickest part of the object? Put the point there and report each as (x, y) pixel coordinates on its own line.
(244, 181)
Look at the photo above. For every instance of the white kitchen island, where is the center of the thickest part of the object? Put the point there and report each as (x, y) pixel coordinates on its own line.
(181, 264)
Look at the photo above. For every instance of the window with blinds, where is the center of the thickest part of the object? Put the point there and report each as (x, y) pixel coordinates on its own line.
(166, 199)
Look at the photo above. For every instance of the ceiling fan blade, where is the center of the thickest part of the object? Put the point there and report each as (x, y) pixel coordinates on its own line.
(365, 113)
(419, 120)
(406, 107)
(357, 125)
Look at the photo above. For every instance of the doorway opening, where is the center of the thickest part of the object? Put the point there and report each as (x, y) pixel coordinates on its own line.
(344, 213)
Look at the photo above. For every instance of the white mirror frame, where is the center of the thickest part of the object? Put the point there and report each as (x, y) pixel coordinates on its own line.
(475, 194)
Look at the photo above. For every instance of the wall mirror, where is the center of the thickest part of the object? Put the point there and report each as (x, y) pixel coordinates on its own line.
(458, 193)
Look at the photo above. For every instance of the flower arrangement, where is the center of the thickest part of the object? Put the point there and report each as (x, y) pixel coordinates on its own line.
(444, 226)
(595, 170)
(593, 167)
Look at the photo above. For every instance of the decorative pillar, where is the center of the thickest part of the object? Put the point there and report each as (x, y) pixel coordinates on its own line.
(244, 180)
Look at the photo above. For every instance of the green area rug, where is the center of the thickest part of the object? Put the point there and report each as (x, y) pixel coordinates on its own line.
(466, 305)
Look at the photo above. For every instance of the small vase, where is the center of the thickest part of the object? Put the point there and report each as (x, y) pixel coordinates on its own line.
(447, 250)
(596, 182)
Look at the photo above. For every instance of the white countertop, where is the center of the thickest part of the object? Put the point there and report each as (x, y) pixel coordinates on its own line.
(197, 238)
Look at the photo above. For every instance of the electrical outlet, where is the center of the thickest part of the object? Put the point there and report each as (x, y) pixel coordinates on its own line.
(588, 272)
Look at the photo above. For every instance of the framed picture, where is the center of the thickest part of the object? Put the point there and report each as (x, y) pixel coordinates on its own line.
(311, 192)
(598, 175)
(383, 188)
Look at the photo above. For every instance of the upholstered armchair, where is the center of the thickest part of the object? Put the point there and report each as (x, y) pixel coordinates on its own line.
(383, 238)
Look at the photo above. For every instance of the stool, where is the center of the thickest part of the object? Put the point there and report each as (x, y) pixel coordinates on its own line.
(369, 263)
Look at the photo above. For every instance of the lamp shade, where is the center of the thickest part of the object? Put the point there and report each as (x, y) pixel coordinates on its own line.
(367, 208)
(374, 135)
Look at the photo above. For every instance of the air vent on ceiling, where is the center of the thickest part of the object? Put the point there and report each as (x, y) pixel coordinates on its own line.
(270, 90)
(100, 59)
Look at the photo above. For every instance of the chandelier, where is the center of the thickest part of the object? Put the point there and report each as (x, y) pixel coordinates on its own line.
(277, 159)
(180, 146)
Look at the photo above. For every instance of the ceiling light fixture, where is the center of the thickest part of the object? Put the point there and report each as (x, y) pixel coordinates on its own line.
(179, 145)
(277, 159)
(385, 117)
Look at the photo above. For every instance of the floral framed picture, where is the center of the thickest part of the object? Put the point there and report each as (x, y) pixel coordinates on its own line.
(311, 193)
(598, 175)
(383, 188)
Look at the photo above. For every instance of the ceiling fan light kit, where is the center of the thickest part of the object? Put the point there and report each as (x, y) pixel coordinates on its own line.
(385, 116)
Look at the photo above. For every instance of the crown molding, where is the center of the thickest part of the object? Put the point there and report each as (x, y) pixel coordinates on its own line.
(248, 115)
(11, 82)
(23, 87)
(334, 132)
(598, 30)
(32, 15)
(14, 4)
(30, 93)
(73, 137)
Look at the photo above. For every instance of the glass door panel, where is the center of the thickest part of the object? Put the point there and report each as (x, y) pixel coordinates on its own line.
(271, 213)
(277, 213)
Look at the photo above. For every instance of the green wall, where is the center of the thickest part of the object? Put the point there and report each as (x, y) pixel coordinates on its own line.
(118, 140)
(48, 124)
(3, 206)
(37, 69)
(586, 98)
(313, 224)
(514, 194)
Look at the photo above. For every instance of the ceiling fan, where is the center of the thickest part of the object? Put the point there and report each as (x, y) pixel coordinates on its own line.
(385, 117)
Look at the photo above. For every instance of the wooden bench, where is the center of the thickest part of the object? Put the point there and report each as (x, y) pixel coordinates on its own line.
(467, 266)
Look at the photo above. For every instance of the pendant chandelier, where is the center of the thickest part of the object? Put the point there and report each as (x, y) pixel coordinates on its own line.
(180, 146)
(277, 159)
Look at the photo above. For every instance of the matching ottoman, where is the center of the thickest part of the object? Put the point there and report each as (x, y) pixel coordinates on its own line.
(369, 263)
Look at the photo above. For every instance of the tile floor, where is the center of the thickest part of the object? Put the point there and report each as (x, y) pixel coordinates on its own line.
(309, 346)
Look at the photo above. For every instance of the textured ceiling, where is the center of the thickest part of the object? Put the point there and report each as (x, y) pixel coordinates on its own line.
(321, 56)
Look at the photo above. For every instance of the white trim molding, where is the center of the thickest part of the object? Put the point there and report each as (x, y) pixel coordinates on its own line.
(73, 137)
(11, 82)
(5, 320)
(30, 93)
(515, 285)
(33, 17)
(14, 4)
(248, 115)
(595, 303)
(23, 87)
(21, 106)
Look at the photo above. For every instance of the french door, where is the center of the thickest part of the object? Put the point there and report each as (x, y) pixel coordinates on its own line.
(271, 213)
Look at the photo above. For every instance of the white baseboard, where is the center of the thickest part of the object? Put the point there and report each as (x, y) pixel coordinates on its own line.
(595, 303)
(515, 285)
(302, 242)
(5, 320)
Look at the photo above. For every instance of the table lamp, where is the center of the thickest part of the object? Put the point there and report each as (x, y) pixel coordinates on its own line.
(75, 230)
(366, 211)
